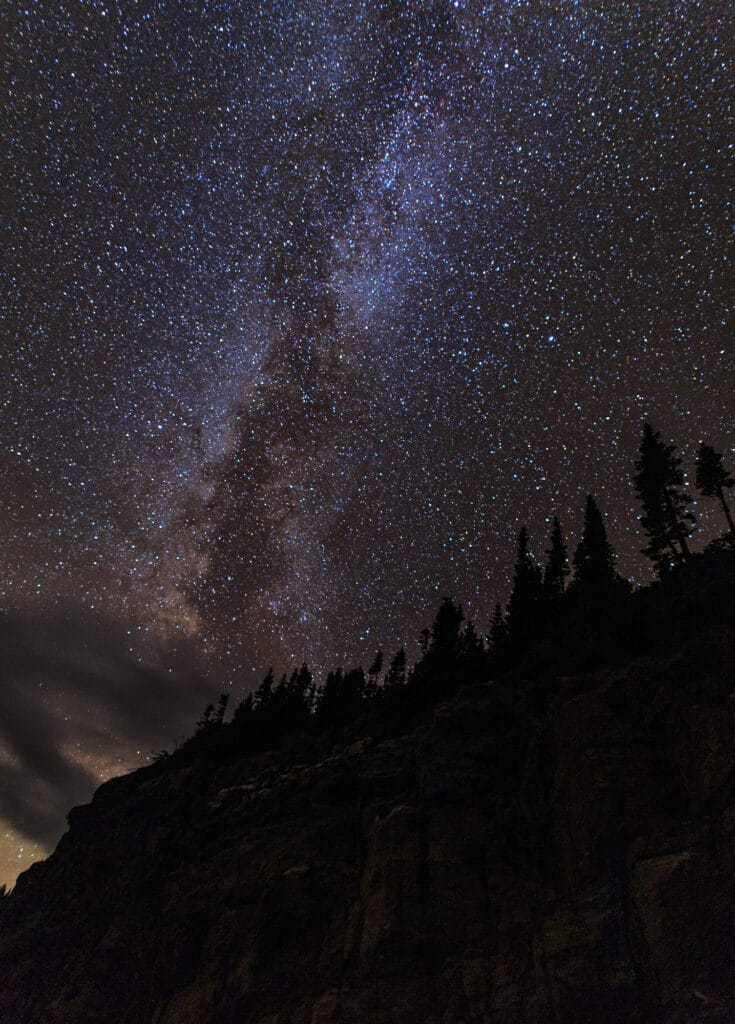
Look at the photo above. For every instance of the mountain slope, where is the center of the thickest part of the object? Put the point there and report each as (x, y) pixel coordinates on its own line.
(567, 859)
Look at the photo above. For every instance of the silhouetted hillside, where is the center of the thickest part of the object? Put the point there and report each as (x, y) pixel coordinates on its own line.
(545, 836)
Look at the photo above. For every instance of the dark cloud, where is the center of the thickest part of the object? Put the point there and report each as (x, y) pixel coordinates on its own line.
(69, 688)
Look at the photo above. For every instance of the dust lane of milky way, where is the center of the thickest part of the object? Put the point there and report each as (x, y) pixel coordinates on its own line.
(308, 306)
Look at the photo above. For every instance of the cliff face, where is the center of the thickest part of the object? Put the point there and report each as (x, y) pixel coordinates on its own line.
(501, 863)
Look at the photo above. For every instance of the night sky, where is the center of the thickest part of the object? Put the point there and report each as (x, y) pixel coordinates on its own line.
(305, 308)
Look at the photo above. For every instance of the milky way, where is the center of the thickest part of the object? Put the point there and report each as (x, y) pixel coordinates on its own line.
(308, 306)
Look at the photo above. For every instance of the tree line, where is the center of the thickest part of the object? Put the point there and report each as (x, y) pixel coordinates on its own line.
(562, 614)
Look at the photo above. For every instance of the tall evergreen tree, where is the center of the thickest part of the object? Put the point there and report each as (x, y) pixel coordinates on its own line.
(445, 633)
(557, 565)
(497, 629)
(667, 517)
(264, 693)
(594, 559)
(213, 717)
(524, 607)
(297, 695)
(471, 642)
(219, 715)
(435, 675)
(243, 713)
(373, 673)
(396, 675)
(713, 479)
(207, 719)
(473, 661)
(340, 697)
(498, 641)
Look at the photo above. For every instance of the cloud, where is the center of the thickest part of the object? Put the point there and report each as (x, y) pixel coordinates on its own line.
(74, 702)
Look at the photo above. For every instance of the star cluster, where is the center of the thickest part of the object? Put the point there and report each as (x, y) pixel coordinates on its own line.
(307, 307)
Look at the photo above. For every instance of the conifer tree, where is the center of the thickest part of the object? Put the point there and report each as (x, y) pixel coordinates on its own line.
(498, 641)
(264, 693)
(667, 517)
(524, 606)
(497, 629)
(353, 684)
(296, 697)
(445, 633)
(473, 655)
(331, 695)
(557, 565)
(213, 717)
(594, 559)
(436, 673)
(340, 696)
(333, 682)
(219, 715)
(396, 675)
(280, 694)
(713, 479)
(243, 711)
(471, 642)
(374, 671)
(207, 719)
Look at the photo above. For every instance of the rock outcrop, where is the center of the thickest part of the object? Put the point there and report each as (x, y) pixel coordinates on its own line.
(567, 858)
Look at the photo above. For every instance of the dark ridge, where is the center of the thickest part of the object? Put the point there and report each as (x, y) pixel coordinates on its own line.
(534, 827)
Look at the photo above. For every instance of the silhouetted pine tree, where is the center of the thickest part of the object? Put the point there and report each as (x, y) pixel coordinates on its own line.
(445, 633)
(557, 565)
(279, 698)
(471, 642)
(243, 713)
(594, 559)
(210, 727)
(436, 674)
(667, 517)
(377, 665)
(304, 687)
(373, 673)
(264, 693)
(330, 690)
(353, 684)
(525, 604)
(340, 697)
(219, 715)
(498, 641)
(207, 719)
(713, 479)
(497, 628)
(473, 657)
(396, 675)
(293, 699)
(213, 717)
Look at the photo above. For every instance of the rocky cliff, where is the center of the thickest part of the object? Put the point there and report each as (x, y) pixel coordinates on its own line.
(565, 857)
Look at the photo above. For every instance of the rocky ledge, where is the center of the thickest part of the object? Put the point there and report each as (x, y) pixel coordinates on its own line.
(565, 857)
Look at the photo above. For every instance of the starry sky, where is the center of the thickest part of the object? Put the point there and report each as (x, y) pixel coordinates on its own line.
(305, 308)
